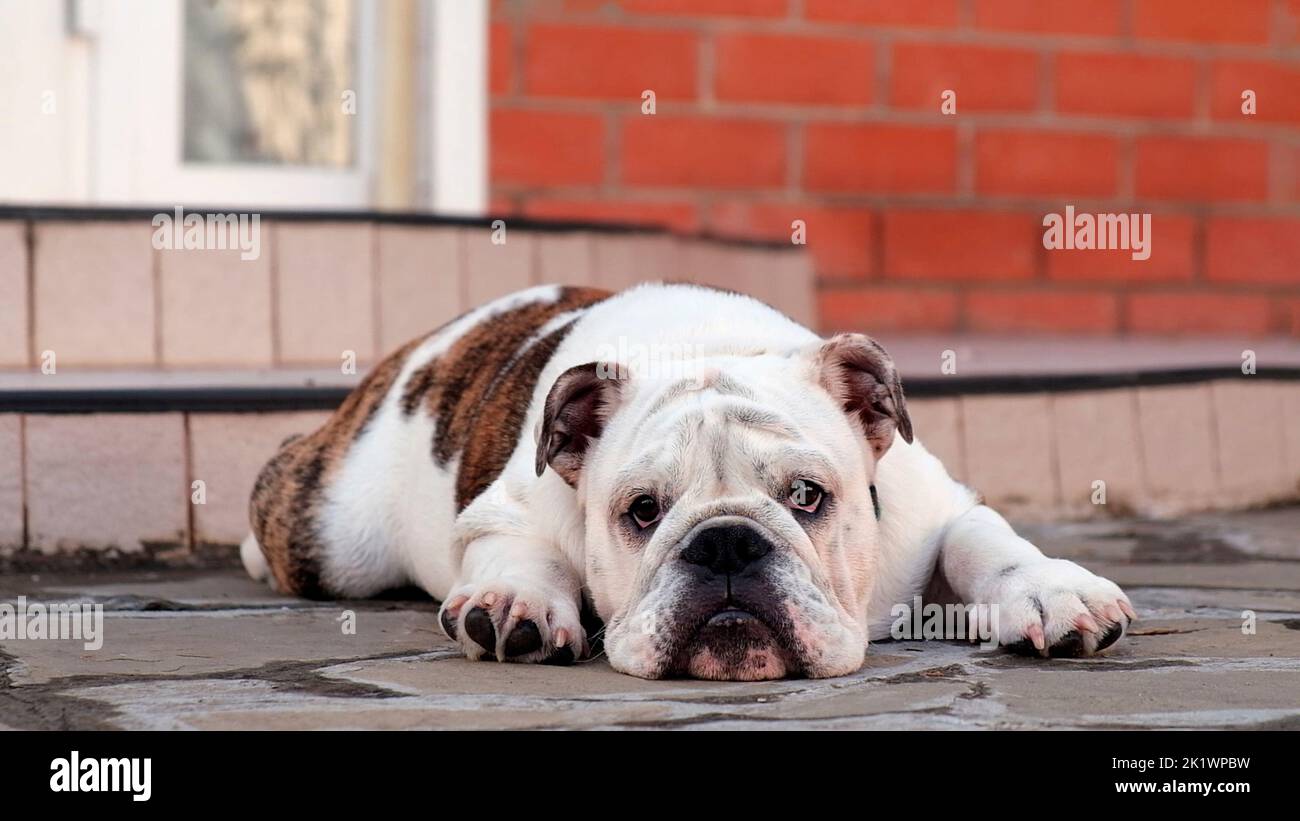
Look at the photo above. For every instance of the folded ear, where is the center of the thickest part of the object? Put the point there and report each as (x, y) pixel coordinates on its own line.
(861, 376)
(576, 410)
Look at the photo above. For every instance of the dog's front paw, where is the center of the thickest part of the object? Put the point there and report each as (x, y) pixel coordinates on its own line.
(507, 621)
(1055, 608)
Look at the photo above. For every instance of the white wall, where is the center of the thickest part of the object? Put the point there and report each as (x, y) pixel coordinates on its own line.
(43, 105)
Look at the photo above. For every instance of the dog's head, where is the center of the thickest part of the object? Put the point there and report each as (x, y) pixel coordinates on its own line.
(730, 525)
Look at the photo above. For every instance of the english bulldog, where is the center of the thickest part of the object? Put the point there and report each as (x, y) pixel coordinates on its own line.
(732, 496)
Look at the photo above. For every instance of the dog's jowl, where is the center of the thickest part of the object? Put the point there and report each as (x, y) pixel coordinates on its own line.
(734, 496)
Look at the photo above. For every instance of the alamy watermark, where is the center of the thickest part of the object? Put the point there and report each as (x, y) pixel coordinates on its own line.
(948, 622)
(208, 232)
(1071, 231)
(57, 621)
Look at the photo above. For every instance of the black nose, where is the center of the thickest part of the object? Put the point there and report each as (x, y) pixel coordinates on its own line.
(726, 548)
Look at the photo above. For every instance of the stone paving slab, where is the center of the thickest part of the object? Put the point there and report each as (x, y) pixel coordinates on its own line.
(212, 650)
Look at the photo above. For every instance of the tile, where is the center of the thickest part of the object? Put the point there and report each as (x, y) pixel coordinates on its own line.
(11, 482)
(418, 276)
(216, 308)
(1097, 440)
(106, 481)
(324, 295)
(787, 283)
(1178, 458)
(625, 260)
(13, 285)
(936, 423)
(95, 293)
(227, 451)
(565, 259)
(1290, 392)
(493, 270)
(1250, 435)
(1009, 450)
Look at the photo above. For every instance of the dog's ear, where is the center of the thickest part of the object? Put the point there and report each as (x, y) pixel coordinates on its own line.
(855, 370)
(576, 410)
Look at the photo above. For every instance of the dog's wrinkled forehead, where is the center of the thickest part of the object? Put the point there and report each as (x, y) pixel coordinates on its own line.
(713, 431)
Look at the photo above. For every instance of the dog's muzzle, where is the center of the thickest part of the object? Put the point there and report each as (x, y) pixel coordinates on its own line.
(731, 623)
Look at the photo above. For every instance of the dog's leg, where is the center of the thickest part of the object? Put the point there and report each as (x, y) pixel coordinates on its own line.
(1048, 607)
(516, 600)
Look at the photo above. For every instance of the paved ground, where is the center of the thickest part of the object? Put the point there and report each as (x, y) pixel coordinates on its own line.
(212, 650)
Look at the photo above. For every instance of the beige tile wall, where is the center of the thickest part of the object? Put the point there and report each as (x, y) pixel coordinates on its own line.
(95, 295)
(106, 480)
(105, 298)
(11, 481)
(13, 285)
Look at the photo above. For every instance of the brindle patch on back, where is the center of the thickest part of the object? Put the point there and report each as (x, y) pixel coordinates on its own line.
(478, 392)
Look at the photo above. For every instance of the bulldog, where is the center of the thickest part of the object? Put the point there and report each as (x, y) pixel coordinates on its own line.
(732, 496)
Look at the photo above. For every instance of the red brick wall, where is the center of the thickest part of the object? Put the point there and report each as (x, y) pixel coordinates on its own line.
(828, 111)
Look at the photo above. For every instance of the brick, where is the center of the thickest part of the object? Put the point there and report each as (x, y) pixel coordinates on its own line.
(937, 424)
(841, 240)
(984, 78)
(1192, 168)
(1249, 428)
(1205, 21)
(1046, 163)
(702, 152)
(1125, 85)
(496, 270)
(933, 13)
(565, 259)
(1009, 450)
(679, 216)
(609, 62)
(500, 58)
(1276, 87)
(100, 481)
(886, 308)
(708, 8)
(325, 294)
(1096, 440)
(1042, 311)
(13, 284)
(1172, 244)
(417, 279)
(216, 307)
(974, 245)
(546, 147)
(1198, 312)
(1246, 249)
(95, 293)
(11, 482)
(1177, 447)
(879, 158)
(1100, 18)
(227, 452)
(774, 68)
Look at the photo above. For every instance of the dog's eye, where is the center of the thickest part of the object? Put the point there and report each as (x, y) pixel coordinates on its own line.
(805, 495)
(645, 511)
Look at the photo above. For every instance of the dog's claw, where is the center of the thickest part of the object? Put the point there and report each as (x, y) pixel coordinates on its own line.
(524, 639)
(478, 626)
